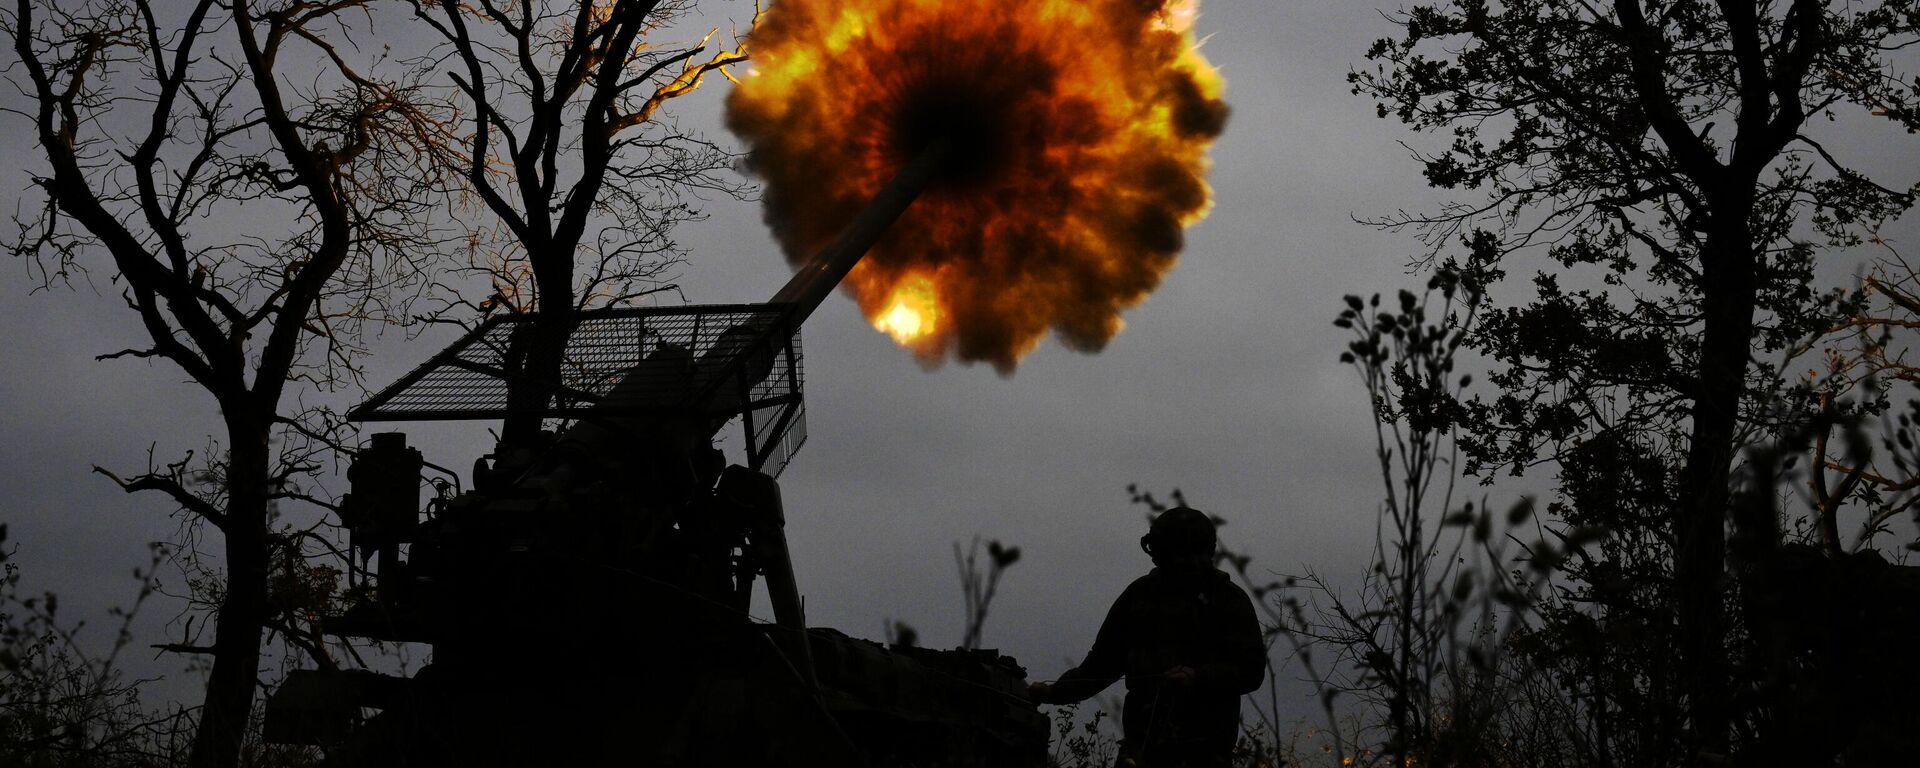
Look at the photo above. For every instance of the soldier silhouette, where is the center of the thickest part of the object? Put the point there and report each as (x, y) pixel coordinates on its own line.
(1186, 639)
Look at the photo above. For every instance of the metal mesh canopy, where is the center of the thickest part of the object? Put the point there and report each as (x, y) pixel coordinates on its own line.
(628, 364)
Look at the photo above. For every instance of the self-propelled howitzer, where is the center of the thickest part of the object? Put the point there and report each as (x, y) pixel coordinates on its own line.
(588, 598)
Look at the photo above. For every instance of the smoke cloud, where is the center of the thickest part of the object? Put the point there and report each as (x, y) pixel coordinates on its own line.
(1079, 131)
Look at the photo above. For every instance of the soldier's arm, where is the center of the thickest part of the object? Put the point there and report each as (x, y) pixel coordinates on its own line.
(1104, 665)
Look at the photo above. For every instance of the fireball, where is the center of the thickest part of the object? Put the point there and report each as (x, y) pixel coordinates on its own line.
(912, 310)
(1077, 130)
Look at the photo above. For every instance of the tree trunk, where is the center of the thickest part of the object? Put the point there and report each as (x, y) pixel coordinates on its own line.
(539, 377)
(1728, 292)
(243, 609)
(532, 392)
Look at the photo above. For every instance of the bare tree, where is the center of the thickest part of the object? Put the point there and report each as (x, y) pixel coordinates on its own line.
(258, 197)
(581, 181)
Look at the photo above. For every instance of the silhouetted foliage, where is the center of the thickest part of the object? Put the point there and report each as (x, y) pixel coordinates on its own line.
(1079, 743)
(979, 583)
(1662, 157)
(977, 588)
(1421, 672)
(62, 703)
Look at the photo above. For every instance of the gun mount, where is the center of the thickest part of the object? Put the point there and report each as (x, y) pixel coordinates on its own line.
(588, 598)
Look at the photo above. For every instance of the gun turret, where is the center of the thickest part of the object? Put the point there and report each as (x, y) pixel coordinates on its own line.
(626, 540)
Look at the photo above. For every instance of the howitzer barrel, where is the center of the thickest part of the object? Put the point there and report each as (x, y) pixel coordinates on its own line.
(816, 279)
(743, 356)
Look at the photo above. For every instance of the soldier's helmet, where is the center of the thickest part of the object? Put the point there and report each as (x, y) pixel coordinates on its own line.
(1178, 532)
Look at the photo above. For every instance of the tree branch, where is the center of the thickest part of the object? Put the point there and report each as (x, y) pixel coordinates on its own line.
(171, 487)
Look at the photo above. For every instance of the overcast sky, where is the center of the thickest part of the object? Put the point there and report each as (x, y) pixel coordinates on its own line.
(1225, 384)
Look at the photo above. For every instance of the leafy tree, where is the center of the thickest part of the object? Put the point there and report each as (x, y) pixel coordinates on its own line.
(1667, 159)
(1422, 657)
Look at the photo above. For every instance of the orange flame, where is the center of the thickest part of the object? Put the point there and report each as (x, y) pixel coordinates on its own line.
(1079, 132)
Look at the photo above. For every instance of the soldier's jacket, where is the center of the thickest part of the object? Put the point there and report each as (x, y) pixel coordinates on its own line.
(1167, 619)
